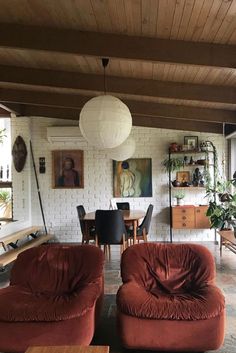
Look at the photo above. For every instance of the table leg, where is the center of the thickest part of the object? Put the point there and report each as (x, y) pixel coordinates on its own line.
(86, 229)
(135, 231)
(220, 245)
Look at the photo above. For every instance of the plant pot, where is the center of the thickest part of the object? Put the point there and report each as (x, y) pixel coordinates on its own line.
(180, 202)
(224, 197)
(175, 183)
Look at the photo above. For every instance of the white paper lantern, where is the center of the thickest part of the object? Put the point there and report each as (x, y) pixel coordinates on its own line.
(124, 151)
(105, 121)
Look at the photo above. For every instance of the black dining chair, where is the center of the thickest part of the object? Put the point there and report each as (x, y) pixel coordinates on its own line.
(124, 206)
(110, 229)
(143, 229)
(86, 235)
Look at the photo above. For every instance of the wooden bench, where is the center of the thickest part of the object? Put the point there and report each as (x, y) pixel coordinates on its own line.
(11, 240)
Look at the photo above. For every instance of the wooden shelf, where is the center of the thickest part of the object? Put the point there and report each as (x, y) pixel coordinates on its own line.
(5, 184)
(189, 187)
(190, 152)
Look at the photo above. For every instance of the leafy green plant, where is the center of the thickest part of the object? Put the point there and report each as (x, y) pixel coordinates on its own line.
(172, 164)
(179, 194)
(222, 211)
(5, 203)
(2, 135)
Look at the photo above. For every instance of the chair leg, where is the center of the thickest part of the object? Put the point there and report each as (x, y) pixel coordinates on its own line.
(144, 236)
(96, 240)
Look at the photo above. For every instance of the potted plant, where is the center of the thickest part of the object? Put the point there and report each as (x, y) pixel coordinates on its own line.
(172, 164)
(5, 204)
(179, 196)
(222, 206)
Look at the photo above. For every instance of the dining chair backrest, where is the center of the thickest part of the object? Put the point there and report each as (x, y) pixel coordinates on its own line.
(123, 206)
(113, 205)
(81, 213)
(110, 226)
(147, 220)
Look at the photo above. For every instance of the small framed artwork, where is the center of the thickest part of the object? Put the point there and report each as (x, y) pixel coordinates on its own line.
(183, 176)
(191, 142)
(68, 169)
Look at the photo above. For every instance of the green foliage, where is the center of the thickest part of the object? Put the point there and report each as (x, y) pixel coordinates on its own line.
(172, 164)
(179, 194)
(2, 135)
(5, 197)
(221, 212)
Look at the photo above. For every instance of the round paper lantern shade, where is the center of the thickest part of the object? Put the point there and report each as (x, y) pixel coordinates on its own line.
(105, 121)
(124, 151)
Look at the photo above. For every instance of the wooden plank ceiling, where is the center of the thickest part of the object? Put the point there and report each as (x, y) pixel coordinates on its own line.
(173, 62)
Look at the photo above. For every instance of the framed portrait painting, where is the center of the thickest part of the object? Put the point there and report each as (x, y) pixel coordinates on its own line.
(68, 169)
(132, 178)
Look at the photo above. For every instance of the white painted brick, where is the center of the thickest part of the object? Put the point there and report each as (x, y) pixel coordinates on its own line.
(60, 205)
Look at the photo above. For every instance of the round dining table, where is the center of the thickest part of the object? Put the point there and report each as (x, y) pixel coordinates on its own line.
(130, 216)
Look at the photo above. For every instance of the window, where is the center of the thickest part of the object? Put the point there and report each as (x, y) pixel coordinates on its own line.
(5, 171)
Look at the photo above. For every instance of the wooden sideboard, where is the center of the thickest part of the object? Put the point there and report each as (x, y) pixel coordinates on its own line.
(190, 217)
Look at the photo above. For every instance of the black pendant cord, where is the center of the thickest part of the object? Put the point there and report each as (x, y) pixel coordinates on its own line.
(105, 62)
(37, 183)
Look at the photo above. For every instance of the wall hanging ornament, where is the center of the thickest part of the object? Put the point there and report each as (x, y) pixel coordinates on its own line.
(19, 154)
(105, 121)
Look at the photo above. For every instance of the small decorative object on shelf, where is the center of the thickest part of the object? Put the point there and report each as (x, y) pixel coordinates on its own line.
(191, 142)
(174, 147)
(205, 145)
(198, 178)
(179, 196)
(176, 183)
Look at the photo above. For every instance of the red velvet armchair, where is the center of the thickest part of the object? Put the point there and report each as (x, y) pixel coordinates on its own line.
(54, 297)
(168, 300)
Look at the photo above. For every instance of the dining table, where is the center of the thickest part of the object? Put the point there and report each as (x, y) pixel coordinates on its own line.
(130, 217)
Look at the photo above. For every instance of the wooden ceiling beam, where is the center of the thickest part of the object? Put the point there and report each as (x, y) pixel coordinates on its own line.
(136, 107)
(155, 122)
(141, 87)
(117, 46)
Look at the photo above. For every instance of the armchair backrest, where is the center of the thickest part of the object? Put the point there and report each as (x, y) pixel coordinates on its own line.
(57, 268)
(169, 267)
(110, 226)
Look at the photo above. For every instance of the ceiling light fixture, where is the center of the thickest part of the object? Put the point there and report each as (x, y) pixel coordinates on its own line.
(105, 121)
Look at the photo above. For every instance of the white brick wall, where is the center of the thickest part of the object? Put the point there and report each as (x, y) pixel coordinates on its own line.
(60, 205)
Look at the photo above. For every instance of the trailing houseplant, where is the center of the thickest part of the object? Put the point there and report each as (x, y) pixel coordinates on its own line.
(172, 164)
(208, 147)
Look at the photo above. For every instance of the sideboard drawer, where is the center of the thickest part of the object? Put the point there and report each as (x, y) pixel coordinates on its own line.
(180, 211)
(183, 224)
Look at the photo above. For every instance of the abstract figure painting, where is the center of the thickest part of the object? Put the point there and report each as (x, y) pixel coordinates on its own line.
(68, 169)
(132, 178)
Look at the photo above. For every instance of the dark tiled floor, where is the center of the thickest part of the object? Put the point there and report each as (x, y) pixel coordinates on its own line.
(106, 333)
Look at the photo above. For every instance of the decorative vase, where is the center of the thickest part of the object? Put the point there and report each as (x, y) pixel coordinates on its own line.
(174, 147)
(180, 202)
(205, 146)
